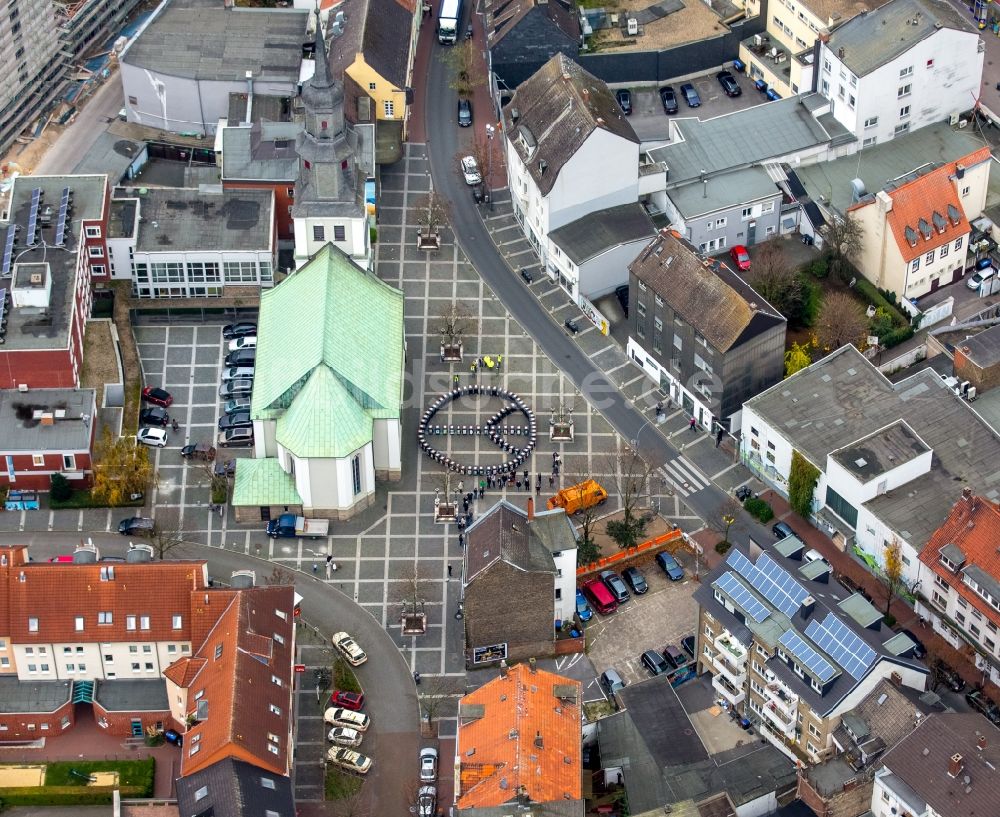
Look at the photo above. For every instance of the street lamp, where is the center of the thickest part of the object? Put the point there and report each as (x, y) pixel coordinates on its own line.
(490, 130)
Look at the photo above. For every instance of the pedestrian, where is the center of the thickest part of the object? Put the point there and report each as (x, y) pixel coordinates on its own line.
(552, 480)
(461, 540)
(538, 487)
(449, 571)
(454, 380)
(465, 505)
(718, 437)
(329, 558)
(555, 457)
(460, 486)
(482, 491)
(691, 423)
(173, 425)
(519, 485)
(315, 567)
(468, 518)
(525, 474)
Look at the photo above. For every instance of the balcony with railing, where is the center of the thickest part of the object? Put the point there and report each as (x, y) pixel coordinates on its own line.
(737, 676)
(783, 744)
(781, 697)
(731, 693)
(783, 721)
(735, 652)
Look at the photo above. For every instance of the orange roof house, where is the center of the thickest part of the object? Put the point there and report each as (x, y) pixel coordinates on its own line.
(915, 230)
(519, 739)
(964, 553)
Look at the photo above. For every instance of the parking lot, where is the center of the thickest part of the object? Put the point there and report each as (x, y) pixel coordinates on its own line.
(662, 615)
(651, 124)
(187, 362)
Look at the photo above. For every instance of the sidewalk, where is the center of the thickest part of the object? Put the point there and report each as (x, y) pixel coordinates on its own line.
(846, 565)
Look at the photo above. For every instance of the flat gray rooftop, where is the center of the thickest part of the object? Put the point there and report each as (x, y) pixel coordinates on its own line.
(265, 152)
(127, 695)
(47, 327)
(739, 139)
(176, 219)
(110, 154)
(603, 230)
(196, 41)
(122, 219)
(23, 429)
(830, 182)
(881, 451)
(842, 399)
(32, 696)
(729, 190)
(983, 349)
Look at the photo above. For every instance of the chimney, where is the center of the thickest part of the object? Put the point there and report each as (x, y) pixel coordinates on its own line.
(531, 666)
(981, 743)
(955, 765)
(531, 508)
(503, 668)
(538, 741)
(967, 493)
(807, 607)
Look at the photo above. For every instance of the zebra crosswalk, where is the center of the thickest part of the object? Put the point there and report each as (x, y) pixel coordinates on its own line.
(683, 476)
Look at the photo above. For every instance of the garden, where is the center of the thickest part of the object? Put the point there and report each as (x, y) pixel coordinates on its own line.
(75, 782)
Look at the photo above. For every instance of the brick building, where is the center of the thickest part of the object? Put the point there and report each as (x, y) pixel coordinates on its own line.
(150, 646)
(977, 359)
(45, 432)
(55, 244)
(512, 582)
(960, 584)
(519, 742)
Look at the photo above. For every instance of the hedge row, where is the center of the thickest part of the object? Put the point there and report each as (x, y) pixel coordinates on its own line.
(877, 299)
(67, 795)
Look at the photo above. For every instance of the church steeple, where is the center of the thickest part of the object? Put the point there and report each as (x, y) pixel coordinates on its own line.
(322, 96)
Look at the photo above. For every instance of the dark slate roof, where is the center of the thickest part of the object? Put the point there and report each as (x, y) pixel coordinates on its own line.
(719, 304)
(554, 530)
(32, 697)
(603, 230)
(232, 788)
(133, 695)
(558, 108)
(505, 16)
(921, 762)
(827, 596)
(386, 43)
(504, 532)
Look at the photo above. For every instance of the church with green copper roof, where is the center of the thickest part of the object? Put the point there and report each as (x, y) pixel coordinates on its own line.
(327, 395)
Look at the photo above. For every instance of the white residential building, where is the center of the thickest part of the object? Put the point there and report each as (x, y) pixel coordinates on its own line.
(907, 64)
(890, 461)
(570, 151)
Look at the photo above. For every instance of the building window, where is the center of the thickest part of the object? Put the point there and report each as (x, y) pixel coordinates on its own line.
(32, 625)
(318, 233)
(904, 112)
(746, 213)
(274, 709)
(279, 638)
(105, 617)
(275, 680)
(965, 191)
(339, 232)
(929, 258)
(389, 109)
(721, 222)
(869, 141)
(143, 622)
(356, 474)
(901, 128)
(177, 622)
(79, 628)
(38, 460)
(92, 232)
(218, 651)
(906, 72)
(914, 265)
(95, 252)
(129, 622)
(871, 121)
(903, 90)
(944, 251)
(69, 462)
(958, 243)
(371, 86)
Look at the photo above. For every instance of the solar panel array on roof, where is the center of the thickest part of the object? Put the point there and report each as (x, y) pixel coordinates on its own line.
(843, 646)
(807, 656)
(61, 221)
(8, 252)
(737, 591)
(36, 197)
(772, 581)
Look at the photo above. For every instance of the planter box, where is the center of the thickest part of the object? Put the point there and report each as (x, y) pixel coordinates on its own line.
(561, 432)
(414, 623)
(444, 513)
(451, 352)
(428, 241)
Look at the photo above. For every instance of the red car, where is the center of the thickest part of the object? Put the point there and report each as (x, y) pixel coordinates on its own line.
(740, 257)
(348, 700)
(157, 396)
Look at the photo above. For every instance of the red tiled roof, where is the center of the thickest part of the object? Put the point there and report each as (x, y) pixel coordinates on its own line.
(974, 527)
(11, 557)
(918, 204)
(182, 672)
(519, 712)
(56, 594)
(238, 686)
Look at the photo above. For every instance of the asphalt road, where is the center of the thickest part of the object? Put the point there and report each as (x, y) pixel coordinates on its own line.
(78, 138)
(390, 694)
(472, 236)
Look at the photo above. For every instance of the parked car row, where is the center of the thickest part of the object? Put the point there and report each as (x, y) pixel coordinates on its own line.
(427, 794)
(235, 425)
(348, 723)
(608, 590)
(153, 417)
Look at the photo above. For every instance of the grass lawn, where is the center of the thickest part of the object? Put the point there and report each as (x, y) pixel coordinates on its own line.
(99, 361)
(340, 785)
(343, 676)
(130, 772)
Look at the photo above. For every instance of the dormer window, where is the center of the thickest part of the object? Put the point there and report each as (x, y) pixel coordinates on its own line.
(925, 229)
(939, 223)
(911, 236)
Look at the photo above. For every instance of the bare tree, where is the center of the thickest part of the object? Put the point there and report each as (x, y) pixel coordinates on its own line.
(279, 576)
(631, 476)
(433, 693)
(841, 320)
(844, 239)
(432, 211)
(468, 70)
(456, 320)
(726, 516)
(410, 592)
(777, 280)
(165, 540)
(586, 522)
